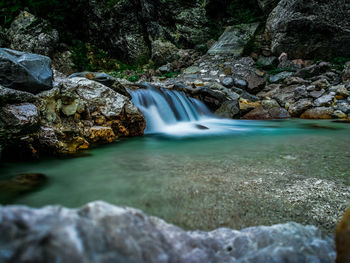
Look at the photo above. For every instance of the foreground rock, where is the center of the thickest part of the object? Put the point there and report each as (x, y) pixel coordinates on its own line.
(100, 232)
(310, 28)
(25, 71)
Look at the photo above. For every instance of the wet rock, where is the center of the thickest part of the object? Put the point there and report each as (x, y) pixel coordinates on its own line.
(28, 33)
(299, 107)
(24, 71)
(20, 184)
(278, 78)
(310, 28)
(229, 109)
(233, 41)
(100, 232)
(318, 113)
(342, 239)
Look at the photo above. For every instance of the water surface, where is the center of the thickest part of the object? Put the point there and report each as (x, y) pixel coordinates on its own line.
(261, 173)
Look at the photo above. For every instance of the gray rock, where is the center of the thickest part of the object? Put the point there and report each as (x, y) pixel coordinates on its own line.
(310, 28)
(234, 40)
(267, 5)
(346, 73)
(28, 33)
(343, 106)
(267, 62)
(325, 100)
(270, 104)
(25, 71)
(228, 82)
(317, 93)
(20, 116)
(104, 79)
(229, 109)
(100, 232)
(340, 90)
(300, 92)
(280, 77)
(240, 83)
(299, 107)
(10, 96)
(192, 70)
(163, 52)
(164, 69)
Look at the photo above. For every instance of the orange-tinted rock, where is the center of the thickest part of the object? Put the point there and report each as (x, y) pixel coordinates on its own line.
(102, 134)
(342, 239)
(318, 113)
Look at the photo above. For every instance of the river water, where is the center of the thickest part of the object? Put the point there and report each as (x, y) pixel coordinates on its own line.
(261, 173)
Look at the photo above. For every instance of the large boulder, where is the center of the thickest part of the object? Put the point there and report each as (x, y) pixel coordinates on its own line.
(82, 112)
(310, 28)
(163, 52)
(25, 71)
(100, 232)
(234, 40)
(31, 34)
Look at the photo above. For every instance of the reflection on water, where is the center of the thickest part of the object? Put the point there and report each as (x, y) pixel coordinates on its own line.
(233, 180)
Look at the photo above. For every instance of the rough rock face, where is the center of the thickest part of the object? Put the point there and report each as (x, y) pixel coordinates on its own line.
(310, 28)
(81, 112)
(100, 232)
(163, 52)
(25, 71)
(31, 34)
(234, 40)
(128, 28)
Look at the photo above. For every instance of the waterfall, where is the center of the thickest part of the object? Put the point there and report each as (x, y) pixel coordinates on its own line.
(173, 113)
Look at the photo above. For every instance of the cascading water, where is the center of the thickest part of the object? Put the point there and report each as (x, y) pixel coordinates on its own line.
(172, 113)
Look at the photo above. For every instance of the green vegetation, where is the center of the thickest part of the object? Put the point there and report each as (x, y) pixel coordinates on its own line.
(339, 62)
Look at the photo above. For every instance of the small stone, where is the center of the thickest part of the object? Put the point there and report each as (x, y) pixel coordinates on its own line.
(339, 114)
(317, 93)
(227, 82)
(280, 77)
(240, 83)
(324, 100)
